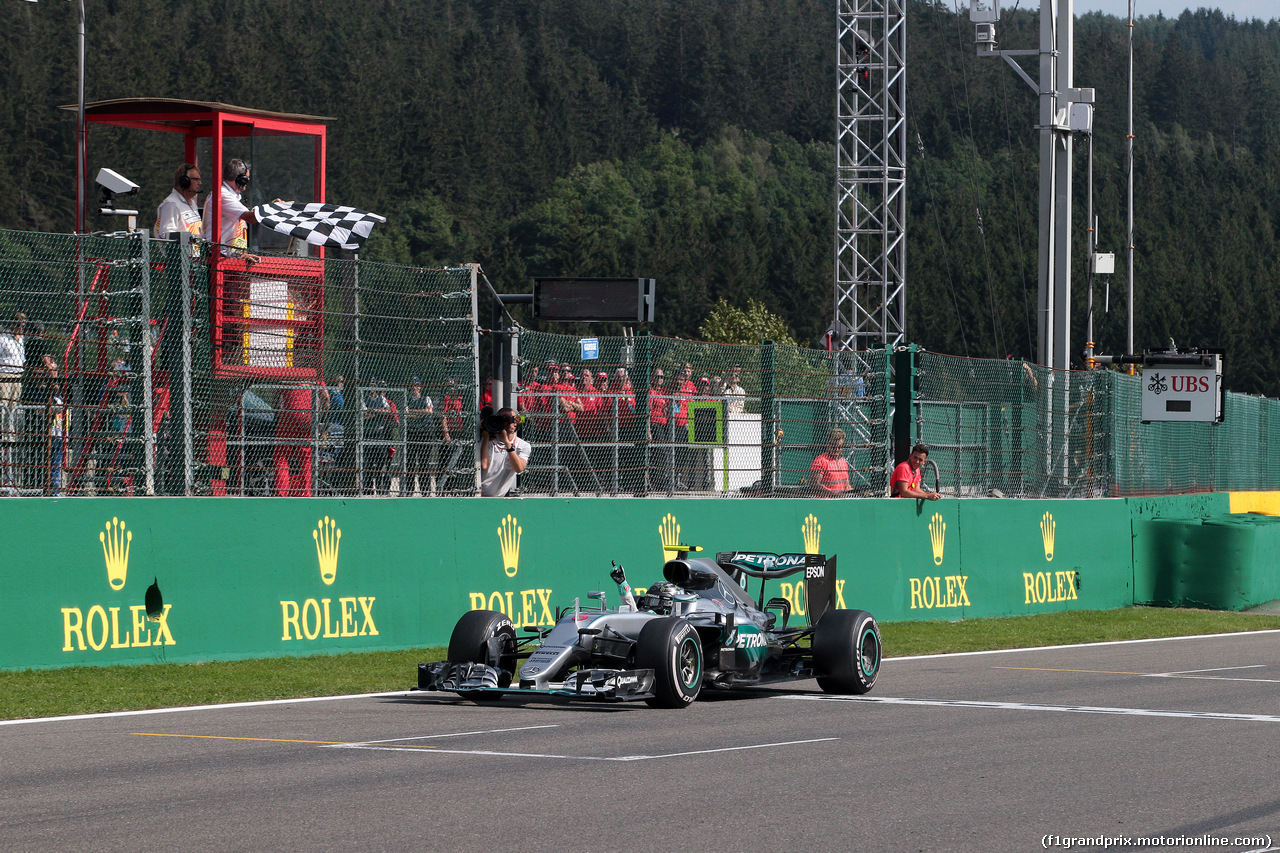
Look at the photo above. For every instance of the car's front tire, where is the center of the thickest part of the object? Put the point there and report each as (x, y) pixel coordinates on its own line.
(671, 648)
(484, 636)
(846, 651)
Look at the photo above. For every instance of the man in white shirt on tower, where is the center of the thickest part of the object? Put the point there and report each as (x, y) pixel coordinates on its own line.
(179, 211)
(235, 216)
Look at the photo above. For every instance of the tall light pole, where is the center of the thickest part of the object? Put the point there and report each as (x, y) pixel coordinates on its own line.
(82, 142)
(1064, 109)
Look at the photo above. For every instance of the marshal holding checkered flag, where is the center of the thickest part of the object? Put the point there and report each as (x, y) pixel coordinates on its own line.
(319, 224)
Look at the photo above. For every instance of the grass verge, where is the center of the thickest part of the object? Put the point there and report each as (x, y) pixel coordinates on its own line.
(84, 690)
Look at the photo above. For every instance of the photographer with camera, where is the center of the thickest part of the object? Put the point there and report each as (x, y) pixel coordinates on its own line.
(503, 454)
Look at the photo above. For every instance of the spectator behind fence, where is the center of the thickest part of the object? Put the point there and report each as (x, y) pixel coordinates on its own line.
(735, 396)
(829, 473)
(548, 402)
(905, 482)
(419, 413)
(179, 211)
(337, 397)
(686, 458)
(530, 388)
(660, 433)
(588, 423)
(503, 454)
(451, 408)
(624, 397)
(59, 431)
(13, 359)
(381, 430)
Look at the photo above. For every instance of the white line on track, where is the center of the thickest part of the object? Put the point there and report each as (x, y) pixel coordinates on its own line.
(436, 750)
(1210, 677)
(451, 734)
(1024, 706)
(910, 658)
(1214, 669)
(110, 714)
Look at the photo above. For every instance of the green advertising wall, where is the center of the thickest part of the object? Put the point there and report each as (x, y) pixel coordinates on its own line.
(254, 577)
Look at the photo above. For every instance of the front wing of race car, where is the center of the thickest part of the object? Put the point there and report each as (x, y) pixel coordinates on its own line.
(616, 685)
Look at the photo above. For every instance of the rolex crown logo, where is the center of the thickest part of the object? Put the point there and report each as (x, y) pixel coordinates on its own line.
(812, 531)
(669, 530)
(509, 532)
(937, 537)
(115, 549)
(327, 535)
(1047, 528)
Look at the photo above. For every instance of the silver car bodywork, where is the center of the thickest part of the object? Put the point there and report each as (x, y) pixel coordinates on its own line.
(590, 651)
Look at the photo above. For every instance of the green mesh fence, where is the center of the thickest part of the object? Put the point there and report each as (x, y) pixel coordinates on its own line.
(133, 366)
(654, 415)
(1180, 458)
(1003, 427)
(72, 393)
(146, 371)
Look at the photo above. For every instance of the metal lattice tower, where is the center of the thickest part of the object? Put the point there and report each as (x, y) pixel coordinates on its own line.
(871, 173)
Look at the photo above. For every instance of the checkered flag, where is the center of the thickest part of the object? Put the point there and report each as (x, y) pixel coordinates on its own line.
(319, 224)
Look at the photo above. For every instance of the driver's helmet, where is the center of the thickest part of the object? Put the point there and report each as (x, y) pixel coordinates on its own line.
(658, 597)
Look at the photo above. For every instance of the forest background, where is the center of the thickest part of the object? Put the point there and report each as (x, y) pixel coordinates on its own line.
(692, 141)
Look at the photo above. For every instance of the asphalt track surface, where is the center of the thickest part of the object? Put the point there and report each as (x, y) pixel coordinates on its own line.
(983, 752)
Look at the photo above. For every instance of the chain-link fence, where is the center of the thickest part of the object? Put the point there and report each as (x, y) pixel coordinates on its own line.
(1180, 458)
(1009, 428)
(129, 366)
(1004, 427)
(649, 415)
(132, 366)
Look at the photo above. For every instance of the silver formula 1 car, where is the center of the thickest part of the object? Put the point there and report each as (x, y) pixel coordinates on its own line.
(699, 628)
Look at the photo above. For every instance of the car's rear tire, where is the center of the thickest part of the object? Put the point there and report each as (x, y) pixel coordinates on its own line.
(846, 651)
(671, 648)
(469, 643)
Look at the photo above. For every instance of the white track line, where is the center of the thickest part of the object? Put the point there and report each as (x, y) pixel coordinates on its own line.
(1025, 706)
(1213, 669)
(452, 734)
(436, 750)
(109, 714)
(908, 658)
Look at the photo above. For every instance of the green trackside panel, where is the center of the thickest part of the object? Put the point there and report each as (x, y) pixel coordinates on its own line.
(1026, 557)
(1202, 505)
(270, 577)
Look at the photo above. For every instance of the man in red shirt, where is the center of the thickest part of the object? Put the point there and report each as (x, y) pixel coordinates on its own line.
(451, 408)
(659, 432)
(905, 482)
(685, 388)
(829, 473)
(620, 389)
(588, 420)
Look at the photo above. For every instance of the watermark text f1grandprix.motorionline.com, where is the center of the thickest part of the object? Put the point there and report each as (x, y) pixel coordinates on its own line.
(1069, 842)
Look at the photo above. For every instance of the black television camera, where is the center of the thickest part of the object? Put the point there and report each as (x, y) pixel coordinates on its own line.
(493, 423)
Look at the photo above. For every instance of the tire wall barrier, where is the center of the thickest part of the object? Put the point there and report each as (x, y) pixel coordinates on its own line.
(263, 577)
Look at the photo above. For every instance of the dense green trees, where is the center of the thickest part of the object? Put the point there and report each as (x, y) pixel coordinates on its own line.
(691, 141)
